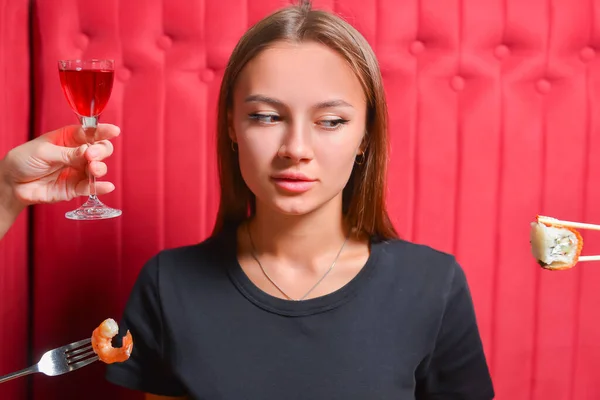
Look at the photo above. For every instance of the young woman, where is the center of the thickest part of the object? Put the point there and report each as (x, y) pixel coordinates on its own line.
(303, 291)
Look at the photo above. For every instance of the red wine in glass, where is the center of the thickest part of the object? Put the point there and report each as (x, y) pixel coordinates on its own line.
(87, 85)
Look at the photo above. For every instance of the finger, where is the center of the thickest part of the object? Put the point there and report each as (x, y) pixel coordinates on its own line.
(98, 169)
(74, 136)
(73, 156)
(107, 132)
(83, 188)
(99, 151)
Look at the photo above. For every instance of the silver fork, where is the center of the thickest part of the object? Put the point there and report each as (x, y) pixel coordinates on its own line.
(60, 360)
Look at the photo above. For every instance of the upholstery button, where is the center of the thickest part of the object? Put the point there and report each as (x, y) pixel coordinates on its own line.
(587, 54)
(124, 74)
(543, 86)
(416, 47)
(82, 41)
(457, 83)
(501, 51)
(207, 76)
(165, 42)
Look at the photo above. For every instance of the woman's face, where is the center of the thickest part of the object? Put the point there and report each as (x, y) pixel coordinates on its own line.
(299, 117)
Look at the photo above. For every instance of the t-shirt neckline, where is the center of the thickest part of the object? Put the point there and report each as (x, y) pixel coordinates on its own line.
(291, 307)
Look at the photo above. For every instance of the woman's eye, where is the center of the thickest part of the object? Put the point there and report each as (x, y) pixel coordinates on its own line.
(265, 118)
(332, 123)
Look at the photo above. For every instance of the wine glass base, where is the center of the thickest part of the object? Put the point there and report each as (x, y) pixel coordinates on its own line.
(93, 209)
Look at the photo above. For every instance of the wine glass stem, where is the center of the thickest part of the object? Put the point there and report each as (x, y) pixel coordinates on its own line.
(93, 187)
(90, 124)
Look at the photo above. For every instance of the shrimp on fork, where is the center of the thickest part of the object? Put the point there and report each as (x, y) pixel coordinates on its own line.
(102, 343)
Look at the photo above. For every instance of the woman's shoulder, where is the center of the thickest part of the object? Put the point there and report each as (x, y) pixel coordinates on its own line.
(430, 274)
(419, 258)
(208, 247)
(209, 254)
(419, 252)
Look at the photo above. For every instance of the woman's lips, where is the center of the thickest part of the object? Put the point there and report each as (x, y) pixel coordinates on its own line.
(294, 183)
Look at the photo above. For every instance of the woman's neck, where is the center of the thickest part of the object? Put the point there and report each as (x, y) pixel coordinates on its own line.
(298, 239)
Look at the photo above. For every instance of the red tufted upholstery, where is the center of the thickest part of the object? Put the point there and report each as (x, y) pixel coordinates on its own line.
(14, 130)
(493, 108)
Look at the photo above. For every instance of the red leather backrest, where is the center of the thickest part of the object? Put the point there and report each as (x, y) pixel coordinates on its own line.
(493, 110)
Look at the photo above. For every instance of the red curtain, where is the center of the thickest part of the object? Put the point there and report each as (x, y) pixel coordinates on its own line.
(14, 130)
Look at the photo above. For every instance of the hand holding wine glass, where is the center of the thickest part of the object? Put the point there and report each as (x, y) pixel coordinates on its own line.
(51, 168)
(87, 85)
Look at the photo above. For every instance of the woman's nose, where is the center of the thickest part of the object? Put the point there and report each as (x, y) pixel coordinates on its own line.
(297, 143)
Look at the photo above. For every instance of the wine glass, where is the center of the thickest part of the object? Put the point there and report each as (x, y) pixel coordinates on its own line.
(87, 85)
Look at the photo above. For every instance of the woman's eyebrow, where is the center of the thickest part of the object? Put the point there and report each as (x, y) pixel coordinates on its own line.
(259, 98)
(333, 103)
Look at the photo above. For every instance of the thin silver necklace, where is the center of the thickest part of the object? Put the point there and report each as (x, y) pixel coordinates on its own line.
(255, 256)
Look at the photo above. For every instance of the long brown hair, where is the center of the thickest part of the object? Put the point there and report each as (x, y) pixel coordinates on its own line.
(364, 195)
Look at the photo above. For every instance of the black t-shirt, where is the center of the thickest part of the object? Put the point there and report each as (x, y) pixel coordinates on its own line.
(403, 328)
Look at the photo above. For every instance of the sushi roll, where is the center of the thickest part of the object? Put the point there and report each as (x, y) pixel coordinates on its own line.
(555, 247)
